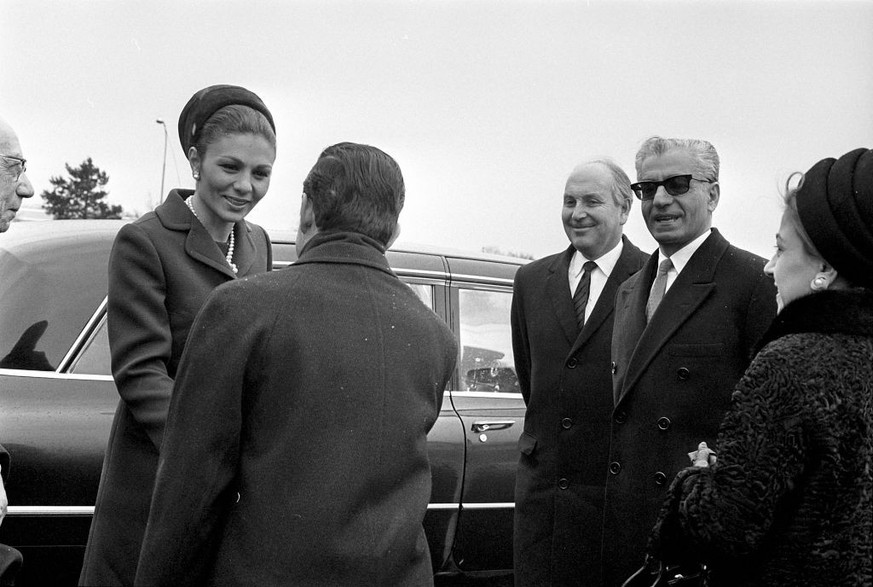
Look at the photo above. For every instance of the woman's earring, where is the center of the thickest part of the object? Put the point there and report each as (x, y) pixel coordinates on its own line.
(196, 175)
(819, 283)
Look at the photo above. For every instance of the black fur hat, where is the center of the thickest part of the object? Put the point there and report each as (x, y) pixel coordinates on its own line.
(835, 205)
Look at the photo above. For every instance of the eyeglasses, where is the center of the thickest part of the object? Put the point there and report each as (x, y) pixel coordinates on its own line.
(21, 163)
(675, 186)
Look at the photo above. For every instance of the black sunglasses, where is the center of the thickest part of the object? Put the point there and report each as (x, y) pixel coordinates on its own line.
(675, 186)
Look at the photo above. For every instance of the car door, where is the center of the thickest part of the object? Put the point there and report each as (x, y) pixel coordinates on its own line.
(490, 406)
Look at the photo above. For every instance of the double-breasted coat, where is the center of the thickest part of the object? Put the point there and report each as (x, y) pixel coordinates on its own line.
(161, 269)
(566, 382)
(296, 448)
(673, 380)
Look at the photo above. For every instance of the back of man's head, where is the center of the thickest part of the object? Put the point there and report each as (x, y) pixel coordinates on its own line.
(356, 188)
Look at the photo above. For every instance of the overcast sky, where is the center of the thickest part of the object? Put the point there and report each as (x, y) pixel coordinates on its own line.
(486, 105)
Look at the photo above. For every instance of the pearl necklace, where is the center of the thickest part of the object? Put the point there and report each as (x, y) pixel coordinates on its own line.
(230, 246)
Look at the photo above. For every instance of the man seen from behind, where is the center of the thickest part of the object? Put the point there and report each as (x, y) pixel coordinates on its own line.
(296, 446)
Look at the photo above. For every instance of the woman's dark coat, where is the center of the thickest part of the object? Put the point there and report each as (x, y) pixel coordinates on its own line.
(789, 500)
(161, 269)
(296, 446)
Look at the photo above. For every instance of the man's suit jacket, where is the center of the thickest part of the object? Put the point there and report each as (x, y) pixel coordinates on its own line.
(296, 446)
(673, 380)
(161, 269)
(566, 383)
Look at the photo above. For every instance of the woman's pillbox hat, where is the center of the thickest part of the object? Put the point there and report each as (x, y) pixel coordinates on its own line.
(835, 205)
(210, 100)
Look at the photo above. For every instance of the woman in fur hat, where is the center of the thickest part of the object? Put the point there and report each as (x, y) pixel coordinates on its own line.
(788, 499)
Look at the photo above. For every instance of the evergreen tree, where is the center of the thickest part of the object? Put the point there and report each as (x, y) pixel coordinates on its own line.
(81, 195)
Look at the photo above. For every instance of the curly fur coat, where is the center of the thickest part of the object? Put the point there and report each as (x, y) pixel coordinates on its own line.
(789, 500)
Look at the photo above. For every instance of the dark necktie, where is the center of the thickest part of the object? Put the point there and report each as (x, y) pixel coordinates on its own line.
(580, 298)
(659, 287)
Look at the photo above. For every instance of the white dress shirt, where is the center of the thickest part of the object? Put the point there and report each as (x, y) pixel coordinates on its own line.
(605, 265)
(681, 257)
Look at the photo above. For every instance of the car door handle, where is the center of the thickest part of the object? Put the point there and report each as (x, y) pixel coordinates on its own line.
(484, 425)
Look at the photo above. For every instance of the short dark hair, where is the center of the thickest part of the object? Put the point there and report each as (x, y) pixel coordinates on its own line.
(356, 188)
(234, 119)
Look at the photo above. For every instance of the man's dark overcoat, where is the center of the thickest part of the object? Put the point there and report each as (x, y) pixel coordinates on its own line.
(673, 381)
(296, 447)
(566, 382)
(161, 269)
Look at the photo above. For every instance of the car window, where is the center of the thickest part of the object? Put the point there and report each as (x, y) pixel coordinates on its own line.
(424, 293)
(486, 341)
(94, 358)
(49, 292)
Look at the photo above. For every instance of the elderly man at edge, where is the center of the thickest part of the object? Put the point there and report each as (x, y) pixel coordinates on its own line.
(685, 329)
(562, 314)
(14, 187)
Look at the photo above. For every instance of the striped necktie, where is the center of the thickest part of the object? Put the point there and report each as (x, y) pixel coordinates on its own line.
(659, 287)
(580, 298)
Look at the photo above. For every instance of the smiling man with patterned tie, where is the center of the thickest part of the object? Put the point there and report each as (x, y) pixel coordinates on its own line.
(684, 331)
(562, 312)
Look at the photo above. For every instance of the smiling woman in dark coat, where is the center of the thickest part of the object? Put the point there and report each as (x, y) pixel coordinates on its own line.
(788, 500)
(161, 269)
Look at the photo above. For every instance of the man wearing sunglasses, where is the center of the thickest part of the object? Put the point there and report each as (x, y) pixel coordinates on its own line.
(14, 185)
(562, 311)
(685, 326)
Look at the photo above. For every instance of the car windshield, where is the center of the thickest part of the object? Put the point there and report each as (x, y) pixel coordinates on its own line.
(49, 288)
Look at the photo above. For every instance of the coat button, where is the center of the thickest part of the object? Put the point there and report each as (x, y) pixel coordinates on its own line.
(566, 423)
(683, 373)
(660, 478)
(613, 368)
(664, 422)
(620, 417)
(563, 483)
(615, 467)
(571, 364)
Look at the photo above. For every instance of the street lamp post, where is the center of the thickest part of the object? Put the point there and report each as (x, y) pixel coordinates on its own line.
(164, 166)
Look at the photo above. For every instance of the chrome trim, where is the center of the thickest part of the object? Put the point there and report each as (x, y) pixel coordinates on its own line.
(84, 336)
(423, 273)
(486, 425)
(481, 279)
(55, 375)
(85, 510)
(489, 506)
(50, 510)
(486, 394)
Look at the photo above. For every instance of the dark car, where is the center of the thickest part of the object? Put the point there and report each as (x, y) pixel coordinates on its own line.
(57, 397)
